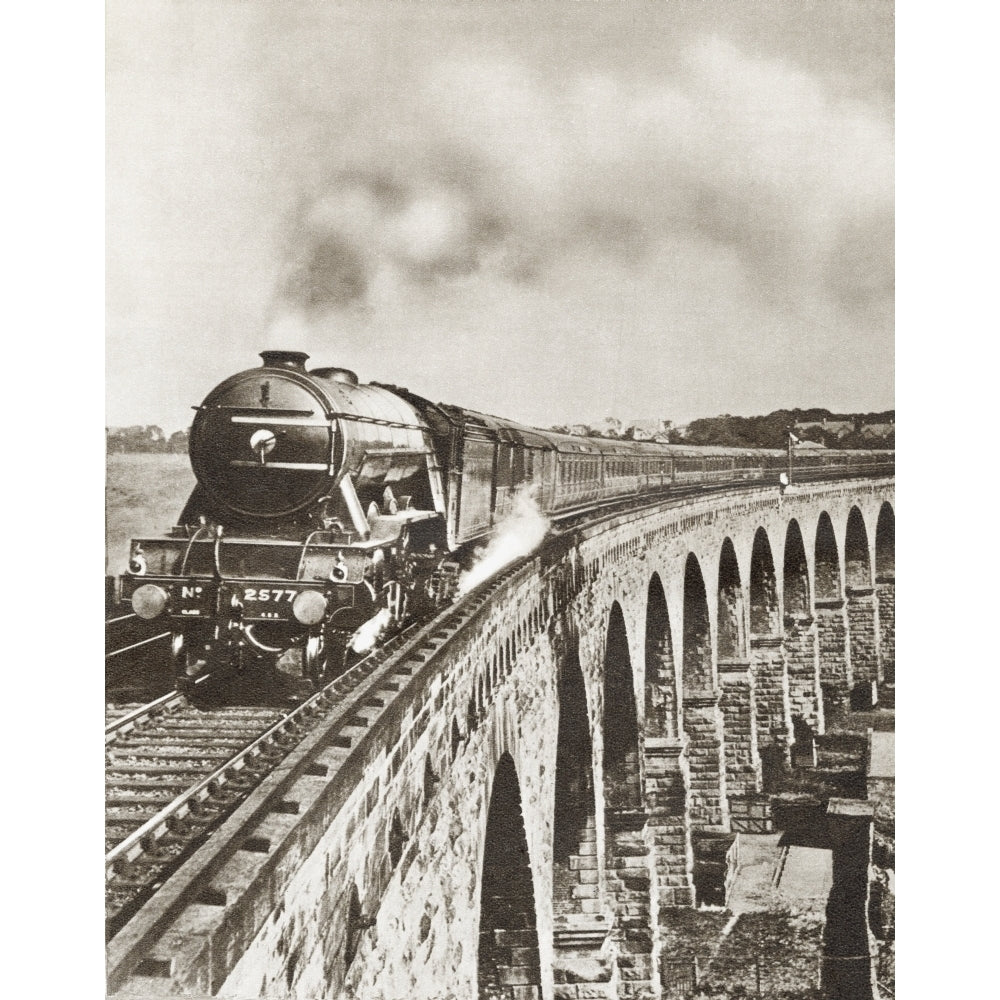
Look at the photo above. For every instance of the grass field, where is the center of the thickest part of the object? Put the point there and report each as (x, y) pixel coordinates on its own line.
(144, 495)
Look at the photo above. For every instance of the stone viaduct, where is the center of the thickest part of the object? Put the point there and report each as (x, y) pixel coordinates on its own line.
(530, 818)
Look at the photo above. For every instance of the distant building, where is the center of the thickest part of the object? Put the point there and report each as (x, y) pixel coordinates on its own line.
(878, 430)
(650, 426)
(838, 428)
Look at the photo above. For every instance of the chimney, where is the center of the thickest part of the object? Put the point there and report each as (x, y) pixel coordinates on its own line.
(296, 360)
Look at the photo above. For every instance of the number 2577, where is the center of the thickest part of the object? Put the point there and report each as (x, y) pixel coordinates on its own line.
(268, 594)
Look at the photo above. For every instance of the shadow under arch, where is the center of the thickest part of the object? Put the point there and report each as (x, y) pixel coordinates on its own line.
(763, 587)
(574, 859)
(622, 789)
(885, 543)
(861, 613)
(795, 590)
(801, 650)
(831, 620)
(508, 961)
(857, 564)
(827, 561)
(661, 673)
(697, 653)
(731, 640)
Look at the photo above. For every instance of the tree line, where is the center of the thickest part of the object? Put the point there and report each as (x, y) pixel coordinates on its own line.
(867, 430)
(771, 431)
(148, 438)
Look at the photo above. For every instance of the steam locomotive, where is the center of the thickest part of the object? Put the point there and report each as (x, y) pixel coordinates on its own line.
(327, 511)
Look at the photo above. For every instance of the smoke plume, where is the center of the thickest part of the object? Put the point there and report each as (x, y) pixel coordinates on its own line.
(547, 211)
(525, 173)
(519, 534)
(367, 635)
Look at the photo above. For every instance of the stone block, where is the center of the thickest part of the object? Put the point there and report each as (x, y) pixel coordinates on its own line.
(562, 991)
(518, 975)
(525, 993)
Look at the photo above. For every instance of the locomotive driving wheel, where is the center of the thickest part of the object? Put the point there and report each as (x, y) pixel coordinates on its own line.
(313, 658)
(325, 656)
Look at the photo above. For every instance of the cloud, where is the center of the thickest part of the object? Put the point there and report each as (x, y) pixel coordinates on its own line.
(504, 171)
(551, 214)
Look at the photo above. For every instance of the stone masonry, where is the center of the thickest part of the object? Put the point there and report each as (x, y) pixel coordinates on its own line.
(885, 593)
(802, 658)
(835, 673)
(862, 619)
(771, 698)
(390, 880)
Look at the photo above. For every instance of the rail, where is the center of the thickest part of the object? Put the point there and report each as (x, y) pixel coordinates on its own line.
(166, 702)
(128, 721)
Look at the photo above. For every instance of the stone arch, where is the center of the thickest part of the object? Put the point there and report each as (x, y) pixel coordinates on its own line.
(661, 675)
(703, 724)
(508, 961)
(885, 543)
(857, 564)
(827, 573)
(574, 856)
(801, 651)
(771, 696)
(696, 669)
(622, 789)
(831, 621)
(795, 589)
(731, 640)
(764, 618)
(862, 616)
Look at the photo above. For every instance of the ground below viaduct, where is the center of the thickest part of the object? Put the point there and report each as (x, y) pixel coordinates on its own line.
(562, 779)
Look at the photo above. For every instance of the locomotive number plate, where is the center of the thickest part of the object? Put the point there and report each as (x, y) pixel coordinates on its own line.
(273, 603)
(264, 594)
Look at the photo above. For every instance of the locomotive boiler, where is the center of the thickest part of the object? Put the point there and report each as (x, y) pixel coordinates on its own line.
(327, 511)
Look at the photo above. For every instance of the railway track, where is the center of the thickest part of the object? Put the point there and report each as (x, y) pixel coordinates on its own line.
(171, 770)
(324, 727)
(174, 771)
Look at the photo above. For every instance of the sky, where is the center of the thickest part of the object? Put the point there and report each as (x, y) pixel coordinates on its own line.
(554, 212)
